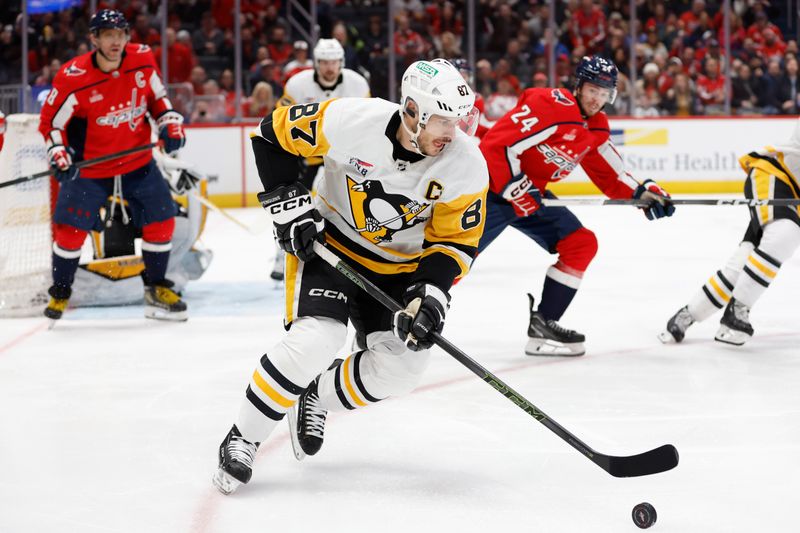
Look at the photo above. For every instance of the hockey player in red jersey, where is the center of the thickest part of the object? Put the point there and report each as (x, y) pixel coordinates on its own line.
(99, 105)
(541, 140)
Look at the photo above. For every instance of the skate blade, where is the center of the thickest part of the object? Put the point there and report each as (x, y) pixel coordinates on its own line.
(291, 417)
(52, 323)
(666, 337)
(157, 313)
(224, 482)
(549, 347)
(731, 336)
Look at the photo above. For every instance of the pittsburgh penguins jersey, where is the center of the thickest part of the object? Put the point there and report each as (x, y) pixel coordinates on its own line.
(387, 209)
(98, 113)
(780, 160)
(545, 137)
(304, 87)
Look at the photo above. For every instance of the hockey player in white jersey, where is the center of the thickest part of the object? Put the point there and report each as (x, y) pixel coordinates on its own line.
(772, 236)
(329, 79)
(401, 198)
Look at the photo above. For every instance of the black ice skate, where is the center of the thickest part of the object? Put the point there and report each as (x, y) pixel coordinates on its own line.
(236, 457)
(677, 326)
(307, 423)
(547, 337)
(734, 327)
(162, 303)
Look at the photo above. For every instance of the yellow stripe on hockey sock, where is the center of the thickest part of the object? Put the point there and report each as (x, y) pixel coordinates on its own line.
(722, 294)
(763, 268)
(349, 384)
(272, 393)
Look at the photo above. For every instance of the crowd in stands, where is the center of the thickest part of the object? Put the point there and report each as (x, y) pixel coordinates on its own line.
(681, 65)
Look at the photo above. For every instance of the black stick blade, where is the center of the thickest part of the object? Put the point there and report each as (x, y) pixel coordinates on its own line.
(658, 460)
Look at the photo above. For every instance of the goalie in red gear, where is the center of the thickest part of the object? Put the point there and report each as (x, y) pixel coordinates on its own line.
(99, 105)
(541, 140)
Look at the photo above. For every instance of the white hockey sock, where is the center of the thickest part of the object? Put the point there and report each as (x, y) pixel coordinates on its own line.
(781, 238)
(716, 292)
(386, 369)
(284, 373)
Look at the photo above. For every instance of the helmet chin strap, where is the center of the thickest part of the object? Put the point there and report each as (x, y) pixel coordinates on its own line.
(413, 135)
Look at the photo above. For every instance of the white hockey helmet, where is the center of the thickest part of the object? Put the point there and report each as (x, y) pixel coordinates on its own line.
(328, 50)
(437, 88)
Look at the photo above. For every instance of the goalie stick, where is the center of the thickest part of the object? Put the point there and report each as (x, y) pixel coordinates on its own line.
(749, 202)
(80, 164)
(653, 461)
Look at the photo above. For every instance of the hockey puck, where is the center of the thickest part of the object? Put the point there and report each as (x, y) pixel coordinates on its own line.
(644, 515)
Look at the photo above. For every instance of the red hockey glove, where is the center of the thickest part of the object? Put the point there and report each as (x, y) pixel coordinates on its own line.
(170, 130)
(522, 195)
(659, 200)
(61, 161)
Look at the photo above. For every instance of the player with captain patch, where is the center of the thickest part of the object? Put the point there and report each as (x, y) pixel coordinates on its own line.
(402, 199)
(99, 105)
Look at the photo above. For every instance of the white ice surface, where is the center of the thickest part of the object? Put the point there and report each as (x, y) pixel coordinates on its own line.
(111, 423)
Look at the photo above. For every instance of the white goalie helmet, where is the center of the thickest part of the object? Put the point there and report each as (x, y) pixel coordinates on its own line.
(328, 50)
(437, 88)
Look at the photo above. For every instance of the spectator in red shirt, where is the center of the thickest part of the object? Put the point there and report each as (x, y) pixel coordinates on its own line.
(773, 47)
(143, 33)
(180, 58)
(711, 87)
(691, 19)
(260, 103)
(279, 48)
(407, 43)
(756, 30)
(588, 29)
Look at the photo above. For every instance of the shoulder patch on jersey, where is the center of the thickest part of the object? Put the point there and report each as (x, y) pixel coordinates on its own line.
(73, 70)
(143, 48)
(362, 167)
(560, 98)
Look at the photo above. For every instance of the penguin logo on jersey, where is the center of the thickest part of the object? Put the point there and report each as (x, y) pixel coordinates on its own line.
(379, 214)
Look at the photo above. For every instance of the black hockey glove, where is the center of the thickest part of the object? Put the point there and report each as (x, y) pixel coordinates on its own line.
(426, 306)
(660, 204)
(297, 223)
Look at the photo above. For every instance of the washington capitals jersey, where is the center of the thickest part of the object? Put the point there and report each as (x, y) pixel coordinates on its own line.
(545, 137)
(391, 216)
(99, 113)
(303, 87)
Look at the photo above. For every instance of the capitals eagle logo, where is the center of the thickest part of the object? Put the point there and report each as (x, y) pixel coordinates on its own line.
(379, 214)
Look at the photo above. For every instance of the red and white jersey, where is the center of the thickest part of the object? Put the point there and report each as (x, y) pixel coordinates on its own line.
(99, 113)
(545, 137)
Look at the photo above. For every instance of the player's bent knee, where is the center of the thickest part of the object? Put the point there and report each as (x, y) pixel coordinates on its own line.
(781, 238)
(395, 369)
(159, 231)
(577, 249)
(308, 348)
(69, 237)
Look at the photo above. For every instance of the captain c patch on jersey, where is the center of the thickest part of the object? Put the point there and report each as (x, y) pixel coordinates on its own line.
(379, 214)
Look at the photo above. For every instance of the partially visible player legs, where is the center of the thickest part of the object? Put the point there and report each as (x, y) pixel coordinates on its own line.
(713, 295)
(278, 380)
(386, 368)
(778, 243)
(545, 335)
(67, 242)
(161, 302)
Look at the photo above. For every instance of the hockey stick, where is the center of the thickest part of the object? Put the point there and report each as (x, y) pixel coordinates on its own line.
(654, 461)
(81, 164)
(750, 202)
(214, 207)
